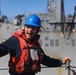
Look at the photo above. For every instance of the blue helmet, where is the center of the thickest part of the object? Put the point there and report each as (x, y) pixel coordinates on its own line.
(33, 20)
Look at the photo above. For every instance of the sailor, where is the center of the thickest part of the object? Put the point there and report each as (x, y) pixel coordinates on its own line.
(26, 54)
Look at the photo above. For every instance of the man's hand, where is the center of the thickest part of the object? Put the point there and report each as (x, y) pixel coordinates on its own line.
(65, 59)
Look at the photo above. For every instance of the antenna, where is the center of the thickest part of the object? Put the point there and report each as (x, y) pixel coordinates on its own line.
(0, 7)
(75, 10)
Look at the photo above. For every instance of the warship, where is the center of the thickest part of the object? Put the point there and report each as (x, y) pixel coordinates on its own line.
(58, 37)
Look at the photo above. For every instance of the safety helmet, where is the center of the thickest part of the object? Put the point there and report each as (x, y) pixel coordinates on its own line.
(33, 20)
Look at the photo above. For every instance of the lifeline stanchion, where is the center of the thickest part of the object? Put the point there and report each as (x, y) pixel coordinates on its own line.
(68, 67)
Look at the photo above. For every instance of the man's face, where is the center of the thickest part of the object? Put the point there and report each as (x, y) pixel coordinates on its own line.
(30, 31)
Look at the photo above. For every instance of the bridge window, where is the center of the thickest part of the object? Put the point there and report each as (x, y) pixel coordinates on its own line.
(57, 42)
(51, 42)
(46, 44)
(73, 42)
(46, 38)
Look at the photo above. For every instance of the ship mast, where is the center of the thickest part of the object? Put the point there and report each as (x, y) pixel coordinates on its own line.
(50, 9)
(60, 10)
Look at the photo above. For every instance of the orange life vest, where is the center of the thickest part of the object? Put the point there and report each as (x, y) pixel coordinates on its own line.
(29, 60)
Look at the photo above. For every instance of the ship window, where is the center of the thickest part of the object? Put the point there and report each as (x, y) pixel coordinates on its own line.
(56, 42)
(73, 42)
(51, 42)
(47, 28)
(46, 38)
(0, 26)
(7, 27)
(40, 41)
(46, 44)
